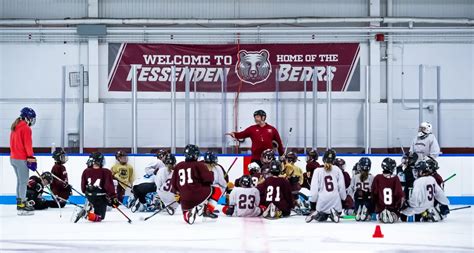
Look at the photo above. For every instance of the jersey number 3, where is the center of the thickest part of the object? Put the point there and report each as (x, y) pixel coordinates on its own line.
(185, 176)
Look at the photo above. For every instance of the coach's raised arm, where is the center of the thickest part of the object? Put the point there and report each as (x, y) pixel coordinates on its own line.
(262, 135)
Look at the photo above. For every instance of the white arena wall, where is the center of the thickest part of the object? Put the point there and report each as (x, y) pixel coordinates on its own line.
(31, 75)
(459, 189)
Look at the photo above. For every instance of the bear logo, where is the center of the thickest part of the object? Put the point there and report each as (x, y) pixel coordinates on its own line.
(253, 66)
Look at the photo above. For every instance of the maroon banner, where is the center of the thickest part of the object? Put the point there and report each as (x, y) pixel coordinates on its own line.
(244, 68)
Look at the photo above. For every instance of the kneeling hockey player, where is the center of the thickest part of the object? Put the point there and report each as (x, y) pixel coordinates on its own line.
(327, 191)
(275, 194)
(191, 181)
(98, 186)
(244, 201)
(425, 192)
(387, 193)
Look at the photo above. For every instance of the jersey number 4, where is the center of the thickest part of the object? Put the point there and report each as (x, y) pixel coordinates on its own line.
(185, 176)
(270, 191)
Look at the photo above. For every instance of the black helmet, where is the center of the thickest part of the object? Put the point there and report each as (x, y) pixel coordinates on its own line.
(169, 159)
(119, 154)
(260, 113)
(267, 156)
(365, 164)
(329, 156)
(291, 157)
(410, 158)
(275, 168)
(421, 167)
(60, 156)
(191, 152)
(47, 176)
(312, 155)
(160, 154)
(246, 181)
(96, 158)
(388, 165)
(341, 163)
(432, 165)
(210, 157)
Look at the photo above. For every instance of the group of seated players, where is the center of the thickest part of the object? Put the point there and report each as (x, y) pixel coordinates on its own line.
(275, 188)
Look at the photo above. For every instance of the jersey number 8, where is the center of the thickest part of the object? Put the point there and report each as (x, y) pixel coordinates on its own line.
(387, 196)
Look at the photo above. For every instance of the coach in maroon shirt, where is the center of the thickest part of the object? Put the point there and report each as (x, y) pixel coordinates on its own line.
(262, 135)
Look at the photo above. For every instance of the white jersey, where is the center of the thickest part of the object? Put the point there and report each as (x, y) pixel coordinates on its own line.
(219, 179)
(357, 183)
(152, 167)
(328, 189)
(246, 202)
(425, 191)
(163, 179)
(149, 176)
(145, 179)
(425, 147)
(163, 186)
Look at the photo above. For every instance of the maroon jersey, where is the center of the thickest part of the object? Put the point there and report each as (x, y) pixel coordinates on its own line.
(59, 188)
(255, 179)
(100, 178)
(311, 166)
(262, 138)
(439, 179)
(347, 179)
(276, 190)
(192, 180)
(387, 193)
(308, 175)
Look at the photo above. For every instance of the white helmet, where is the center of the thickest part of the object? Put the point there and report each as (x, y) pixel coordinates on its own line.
(424, 129)
(254, 167)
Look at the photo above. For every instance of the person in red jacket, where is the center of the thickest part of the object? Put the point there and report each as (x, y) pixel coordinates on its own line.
(191, 182)
(60, 188)
(263, 136)
(98, 186)
(22, 157)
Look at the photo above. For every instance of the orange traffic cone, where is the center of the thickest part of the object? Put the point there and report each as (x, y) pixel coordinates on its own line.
(378, 232)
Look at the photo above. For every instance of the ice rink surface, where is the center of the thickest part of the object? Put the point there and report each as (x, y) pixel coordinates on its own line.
(47, 232)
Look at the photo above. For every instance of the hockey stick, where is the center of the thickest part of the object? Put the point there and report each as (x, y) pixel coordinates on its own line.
(52, 195)
(124, 215)
(453, 175)
(459, 208)
(157, 212)
(72, 188)
(227, 172)
(287, 140)
(120, 181)
(401, 146)
(67, 201)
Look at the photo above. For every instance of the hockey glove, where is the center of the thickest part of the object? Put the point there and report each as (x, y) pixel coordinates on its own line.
(115, 203)
(31, 163)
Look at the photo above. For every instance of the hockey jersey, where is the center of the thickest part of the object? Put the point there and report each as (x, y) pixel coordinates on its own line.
(328, 189)
(427, 146)
(425, 192)
(246, 202)
(360, 187)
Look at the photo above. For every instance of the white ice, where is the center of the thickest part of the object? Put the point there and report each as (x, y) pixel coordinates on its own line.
(47, 232)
